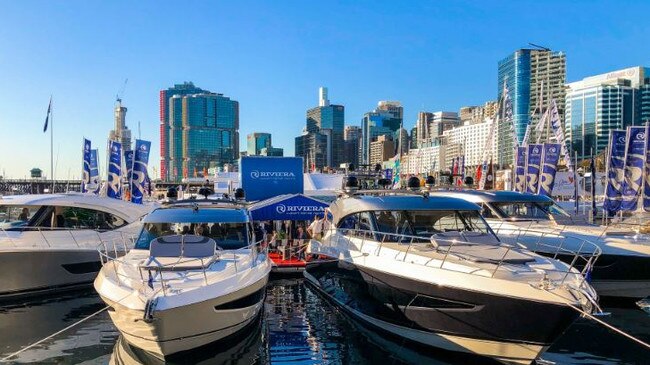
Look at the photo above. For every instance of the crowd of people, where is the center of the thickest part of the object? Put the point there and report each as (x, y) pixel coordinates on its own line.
(291, 237)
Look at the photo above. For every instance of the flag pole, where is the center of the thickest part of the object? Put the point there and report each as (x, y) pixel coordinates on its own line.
(52, 148)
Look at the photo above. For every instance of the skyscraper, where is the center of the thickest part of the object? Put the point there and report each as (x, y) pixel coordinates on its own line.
(256, 141)
(598, 104)
(351, 137)
(383, 121)
(202, 131)
(430, 126)
(328, 120)
(534, 77)
(121, 133)
(186, 88)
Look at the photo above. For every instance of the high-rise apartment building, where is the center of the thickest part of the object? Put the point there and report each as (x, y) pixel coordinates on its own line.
(312, 147)
(381, 150)
(478, 113)
(598, 104)
(430, 126)
(121, 133)
(534, 77)
(383, 121)
(201, 131)
(256, 141)
(186, 88)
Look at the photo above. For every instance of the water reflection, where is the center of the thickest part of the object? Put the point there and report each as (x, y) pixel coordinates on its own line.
(298, 326)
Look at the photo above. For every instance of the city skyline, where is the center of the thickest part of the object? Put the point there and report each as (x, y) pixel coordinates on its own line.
(82, 57)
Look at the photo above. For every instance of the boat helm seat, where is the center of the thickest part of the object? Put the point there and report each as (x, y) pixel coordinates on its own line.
(181, 253)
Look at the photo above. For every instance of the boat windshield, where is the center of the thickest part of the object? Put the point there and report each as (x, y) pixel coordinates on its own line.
(521, 210)
(556, 210)
(16, 215)
(228, 236)
(418, 222)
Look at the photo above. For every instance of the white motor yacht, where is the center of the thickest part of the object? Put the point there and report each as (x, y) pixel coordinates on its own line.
(623, 268)
(195, 276)
(430, 270)
(48, 243)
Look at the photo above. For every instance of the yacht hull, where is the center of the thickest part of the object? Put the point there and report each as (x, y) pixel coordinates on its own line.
(508, 329)
(40, 272)
(187, 327)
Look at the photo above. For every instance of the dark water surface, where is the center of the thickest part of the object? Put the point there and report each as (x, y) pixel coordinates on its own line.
(297, 327)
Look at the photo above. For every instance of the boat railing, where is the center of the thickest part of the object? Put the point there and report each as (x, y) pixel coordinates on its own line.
(447, 248)
(580, 253)
(65, 237)
(183, 267)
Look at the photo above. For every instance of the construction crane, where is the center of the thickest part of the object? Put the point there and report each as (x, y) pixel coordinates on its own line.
(120, 93)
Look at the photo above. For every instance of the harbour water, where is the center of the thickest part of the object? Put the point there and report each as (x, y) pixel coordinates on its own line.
(297, 327)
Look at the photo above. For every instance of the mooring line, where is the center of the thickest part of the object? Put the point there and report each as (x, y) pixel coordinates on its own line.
(600, 321)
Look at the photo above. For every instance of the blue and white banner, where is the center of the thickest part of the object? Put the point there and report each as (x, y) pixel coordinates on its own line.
(646, 179)
(634, 165)
(267, 177)
(533, 163)
(140, 162)
(128, 170)
(85, 168)
(550, 159)
(615, 172)
(94, 172)
(520, 170)
(114, 170)
(558, 130)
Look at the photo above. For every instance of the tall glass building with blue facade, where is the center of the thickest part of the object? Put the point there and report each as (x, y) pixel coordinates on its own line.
(599, 104)
(533, 78)
(203, 133)
(256, 141)
(386, 120)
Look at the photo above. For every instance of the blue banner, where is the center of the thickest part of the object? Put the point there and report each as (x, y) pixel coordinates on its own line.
(634, 164)
(114, 170)
(533, 163)
(94, 172)
(646, 184)
(266, 177)
(128, 160)
(615, 172)
(85, 168)
(550, 159)
(520, 170)
(140, 162)
(288, 207)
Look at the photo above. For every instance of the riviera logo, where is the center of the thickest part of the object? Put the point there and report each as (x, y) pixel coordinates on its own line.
(255, 174)
(281, 208)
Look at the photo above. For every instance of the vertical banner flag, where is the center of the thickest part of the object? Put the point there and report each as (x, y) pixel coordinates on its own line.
(114, 170)
(94, 172)
(487, 151)
(462, 171)
(550, 159)
(140, 161)
(520, 170)
(646, 183)
(489, 177)
(533, 161)
(634, 164)
(85, 168)
(558, 130)
(592, 167)
(615, 172)
(128, 160)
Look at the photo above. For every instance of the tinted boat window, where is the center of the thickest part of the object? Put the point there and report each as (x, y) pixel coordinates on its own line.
(228, 236)
(16, 215)
(521, 210)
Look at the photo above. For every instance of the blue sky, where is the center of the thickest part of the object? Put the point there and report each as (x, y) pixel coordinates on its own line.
(272, 57)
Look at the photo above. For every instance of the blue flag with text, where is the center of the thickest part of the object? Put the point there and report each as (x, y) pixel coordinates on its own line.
(140, 162)
(114, 170)
(85, 168)
(615, 172)
(550, 159)
(634, 164)
(533, 162)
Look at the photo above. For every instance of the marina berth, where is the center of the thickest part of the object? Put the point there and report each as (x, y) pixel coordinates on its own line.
(196, 275)
(429, 270)
(48, 242)
(623, 268)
